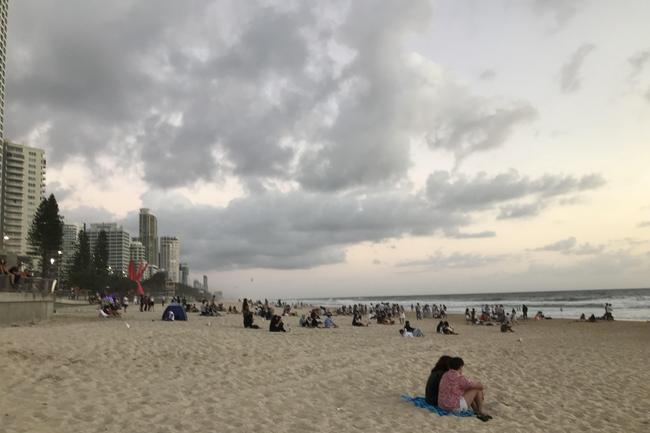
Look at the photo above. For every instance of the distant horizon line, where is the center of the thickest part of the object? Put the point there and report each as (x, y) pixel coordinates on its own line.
(473, 293)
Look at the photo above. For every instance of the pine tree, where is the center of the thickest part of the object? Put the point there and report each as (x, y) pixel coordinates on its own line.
(81, 273)
(46, 233)
(100, 255)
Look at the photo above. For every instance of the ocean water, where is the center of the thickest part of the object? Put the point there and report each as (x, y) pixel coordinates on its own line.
(628, 304)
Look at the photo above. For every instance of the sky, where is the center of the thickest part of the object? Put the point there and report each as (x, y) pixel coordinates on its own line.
(350, 148)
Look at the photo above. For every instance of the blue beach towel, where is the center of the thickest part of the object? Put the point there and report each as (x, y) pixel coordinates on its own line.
(422, 403)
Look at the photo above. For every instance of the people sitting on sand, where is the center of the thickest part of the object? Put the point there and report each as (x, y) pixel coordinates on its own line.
(109, 307)
(15, 274)
(276, 324)
(356, 320)
(404, 333)
(592, 318)
(329, 322)
(458, 394)
(539, 316)
(248, 316)
(314, 321)
(433, 383)
(445, 328)
(582, 317)
(506, 326)
(416, 332)
(208, 309)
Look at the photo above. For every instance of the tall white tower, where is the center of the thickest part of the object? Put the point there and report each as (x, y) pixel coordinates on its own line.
(170, 257)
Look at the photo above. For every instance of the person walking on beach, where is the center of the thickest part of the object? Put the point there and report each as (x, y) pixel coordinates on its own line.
(458, 394)
(524, 311)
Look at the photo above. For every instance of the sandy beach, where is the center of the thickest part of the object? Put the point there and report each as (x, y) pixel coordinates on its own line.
(79, 373)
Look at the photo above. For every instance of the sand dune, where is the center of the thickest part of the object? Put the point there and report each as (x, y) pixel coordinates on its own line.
(80, 373)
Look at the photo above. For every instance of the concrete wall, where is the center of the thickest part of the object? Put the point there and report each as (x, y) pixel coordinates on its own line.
(16, 307)
(26, 306)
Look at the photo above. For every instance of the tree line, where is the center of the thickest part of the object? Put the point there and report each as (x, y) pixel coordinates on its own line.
(89, 269)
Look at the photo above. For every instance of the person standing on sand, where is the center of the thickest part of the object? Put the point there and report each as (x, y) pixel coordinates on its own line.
(524, 311)
(457, 393)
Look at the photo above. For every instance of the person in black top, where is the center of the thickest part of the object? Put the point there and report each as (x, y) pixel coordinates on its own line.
(407, 327)
(276, 324)
(441, 367)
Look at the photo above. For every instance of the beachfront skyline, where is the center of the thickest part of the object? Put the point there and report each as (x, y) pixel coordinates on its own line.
(358, 147)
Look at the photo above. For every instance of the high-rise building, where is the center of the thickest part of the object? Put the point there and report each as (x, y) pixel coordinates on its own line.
(119, 245)
(170, 257)
(196, 284)
(23, 189)
(185, 273)
(4, 15)
(139, 256)
(149, 236)
(205, 282)
(69, 247)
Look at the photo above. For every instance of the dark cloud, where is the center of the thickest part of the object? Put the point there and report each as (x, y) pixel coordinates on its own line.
(484, 192)
(87, 214)
(562, 245)
(474, 235)
(293, 230)
(520, 210)
(326, 98)
(477, 127)
(487, 75)
(570, 246)
(321, 95)
(439, 261)
(561, 11)
(570, 73)
(638, 62)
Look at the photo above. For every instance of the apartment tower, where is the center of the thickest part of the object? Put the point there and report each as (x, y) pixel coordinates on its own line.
(23, 189)
(119, 245)
(170, 257)
(149, 236)
(69, 247)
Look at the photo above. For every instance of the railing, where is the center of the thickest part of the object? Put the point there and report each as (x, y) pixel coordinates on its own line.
(37, 287)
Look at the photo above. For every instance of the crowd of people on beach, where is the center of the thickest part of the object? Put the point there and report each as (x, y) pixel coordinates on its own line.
(429, 311)
(446, 387)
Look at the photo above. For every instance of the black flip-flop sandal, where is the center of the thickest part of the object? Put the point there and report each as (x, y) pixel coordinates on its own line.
(484, 418)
